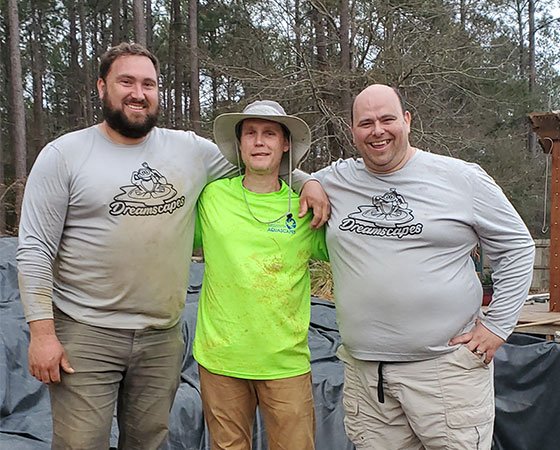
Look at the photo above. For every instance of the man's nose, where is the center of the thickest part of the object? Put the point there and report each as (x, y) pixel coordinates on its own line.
(138, 91)
(377, 129)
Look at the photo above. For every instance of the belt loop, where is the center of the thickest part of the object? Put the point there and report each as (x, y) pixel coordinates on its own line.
(380, 393)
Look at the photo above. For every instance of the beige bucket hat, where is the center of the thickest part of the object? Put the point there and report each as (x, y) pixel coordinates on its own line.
(225, 131)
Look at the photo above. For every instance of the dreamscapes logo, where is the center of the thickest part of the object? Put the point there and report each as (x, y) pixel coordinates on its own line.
(149, 194)
(387, 216)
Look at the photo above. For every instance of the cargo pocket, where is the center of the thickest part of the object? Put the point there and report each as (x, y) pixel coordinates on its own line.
(353, 420)
(468, 395)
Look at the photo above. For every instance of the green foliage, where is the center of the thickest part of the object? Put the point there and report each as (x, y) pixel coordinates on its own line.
(464, 72)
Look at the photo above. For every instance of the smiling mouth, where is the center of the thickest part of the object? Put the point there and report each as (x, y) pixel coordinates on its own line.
(380, 144)
(136, 106)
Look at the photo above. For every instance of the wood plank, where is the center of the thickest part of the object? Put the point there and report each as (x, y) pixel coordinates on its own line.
(538, 312)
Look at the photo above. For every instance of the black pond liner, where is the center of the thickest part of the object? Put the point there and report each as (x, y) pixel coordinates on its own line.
(527, 374)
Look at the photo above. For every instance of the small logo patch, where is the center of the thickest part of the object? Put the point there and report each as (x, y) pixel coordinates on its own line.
(288, 227)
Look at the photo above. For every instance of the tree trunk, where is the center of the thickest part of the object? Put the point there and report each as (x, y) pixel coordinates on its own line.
(149, 25)
(320, 39)
(531, 138)
(115, 22)
(193, 59)
(463, 14)
(139, 22)
(37, 72)
(125, 25)
(87, 87)
(297, 32)
(344, 35)
(178, 63)
(345, 94)
(521, 41)
(215, 83)
(166, 94)
(345, 58)
(99, 43)
(74, 75)
(18, 109)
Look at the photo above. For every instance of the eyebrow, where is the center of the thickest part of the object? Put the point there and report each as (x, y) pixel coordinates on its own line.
(132, 77)
(383, 117)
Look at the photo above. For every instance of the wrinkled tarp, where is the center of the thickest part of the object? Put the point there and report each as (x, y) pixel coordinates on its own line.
(527, 384)
(25, 420)
(527, 374)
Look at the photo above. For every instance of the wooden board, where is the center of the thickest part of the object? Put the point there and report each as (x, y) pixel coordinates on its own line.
(538, 312)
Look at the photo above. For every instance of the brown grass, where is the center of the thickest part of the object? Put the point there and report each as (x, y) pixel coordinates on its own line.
(321, 279)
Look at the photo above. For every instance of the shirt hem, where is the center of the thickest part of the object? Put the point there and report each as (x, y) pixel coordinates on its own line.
(249, 376)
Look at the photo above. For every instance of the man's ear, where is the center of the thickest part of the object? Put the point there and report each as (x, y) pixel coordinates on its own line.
(407, 117)
(101, 87)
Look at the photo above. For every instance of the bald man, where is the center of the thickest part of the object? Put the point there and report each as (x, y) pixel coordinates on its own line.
(416, 346)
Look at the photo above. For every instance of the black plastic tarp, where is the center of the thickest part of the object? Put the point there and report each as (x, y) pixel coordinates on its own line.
(527, 384)
(527, 375)
(25, 420)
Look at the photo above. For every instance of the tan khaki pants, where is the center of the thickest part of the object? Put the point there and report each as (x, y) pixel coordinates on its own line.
(286, 406)
(442, 403)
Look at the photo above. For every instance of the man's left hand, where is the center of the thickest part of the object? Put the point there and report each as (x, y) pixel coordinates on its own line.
(313, 196)
(481, 341)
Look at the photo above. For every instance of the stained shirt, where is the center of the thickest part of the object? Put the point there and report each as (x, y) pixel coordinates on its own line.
(254, 307)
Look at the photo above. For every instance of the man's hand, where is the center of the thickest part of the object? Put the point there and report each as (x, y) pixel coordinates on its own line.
(480, 340)
(46, 354)
(313, 196)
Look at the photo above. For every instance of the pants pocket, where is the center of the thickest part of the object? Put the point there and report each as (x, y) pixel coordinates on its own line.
(468, 390)
(354, 421)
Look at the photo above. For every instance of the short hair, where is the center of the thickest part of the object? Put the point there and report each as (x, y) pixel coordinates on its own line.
(124, 49)
(395, 90)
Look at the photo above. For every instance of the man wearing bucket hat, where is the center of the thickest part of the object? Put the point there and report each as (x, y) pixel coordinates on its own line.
(254, 310)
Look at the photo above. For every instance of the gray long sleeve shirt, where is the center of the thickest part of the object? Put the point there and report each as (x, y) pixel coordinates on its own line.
(400, 247)
(107, 229)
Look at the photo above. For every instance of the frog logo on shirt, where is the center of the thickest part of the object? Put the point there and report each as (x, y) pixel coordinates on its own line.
(388, 215)
(149, 194)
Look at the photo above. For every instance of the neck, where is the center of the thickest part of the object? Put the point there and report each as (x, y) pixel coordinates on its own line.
(261, 184)
(118, 138)
(409, 154)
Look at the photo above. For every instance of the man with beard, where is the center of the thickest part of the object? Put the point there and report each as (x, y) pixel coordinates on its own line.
(105, 242)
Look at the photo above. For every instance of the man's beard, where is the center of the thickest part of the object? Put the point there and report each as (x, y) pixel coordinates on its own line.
(118, 121)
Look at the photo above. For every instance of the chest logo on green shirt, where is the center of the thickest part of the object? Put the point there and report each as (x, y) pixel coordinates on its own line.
(387, 216)
(288, 227)
(148, 194)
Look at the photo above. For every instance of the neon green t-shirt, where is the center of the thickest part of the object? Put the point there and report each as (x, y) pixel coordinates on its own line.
(254, 307)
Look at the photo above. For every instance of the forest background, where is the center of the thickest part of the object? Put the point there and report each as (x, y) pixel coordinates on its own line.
(470, 70)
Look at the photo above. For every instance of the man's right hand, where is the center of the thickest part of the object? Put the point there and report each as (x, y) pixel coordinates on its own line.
(46, 354)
